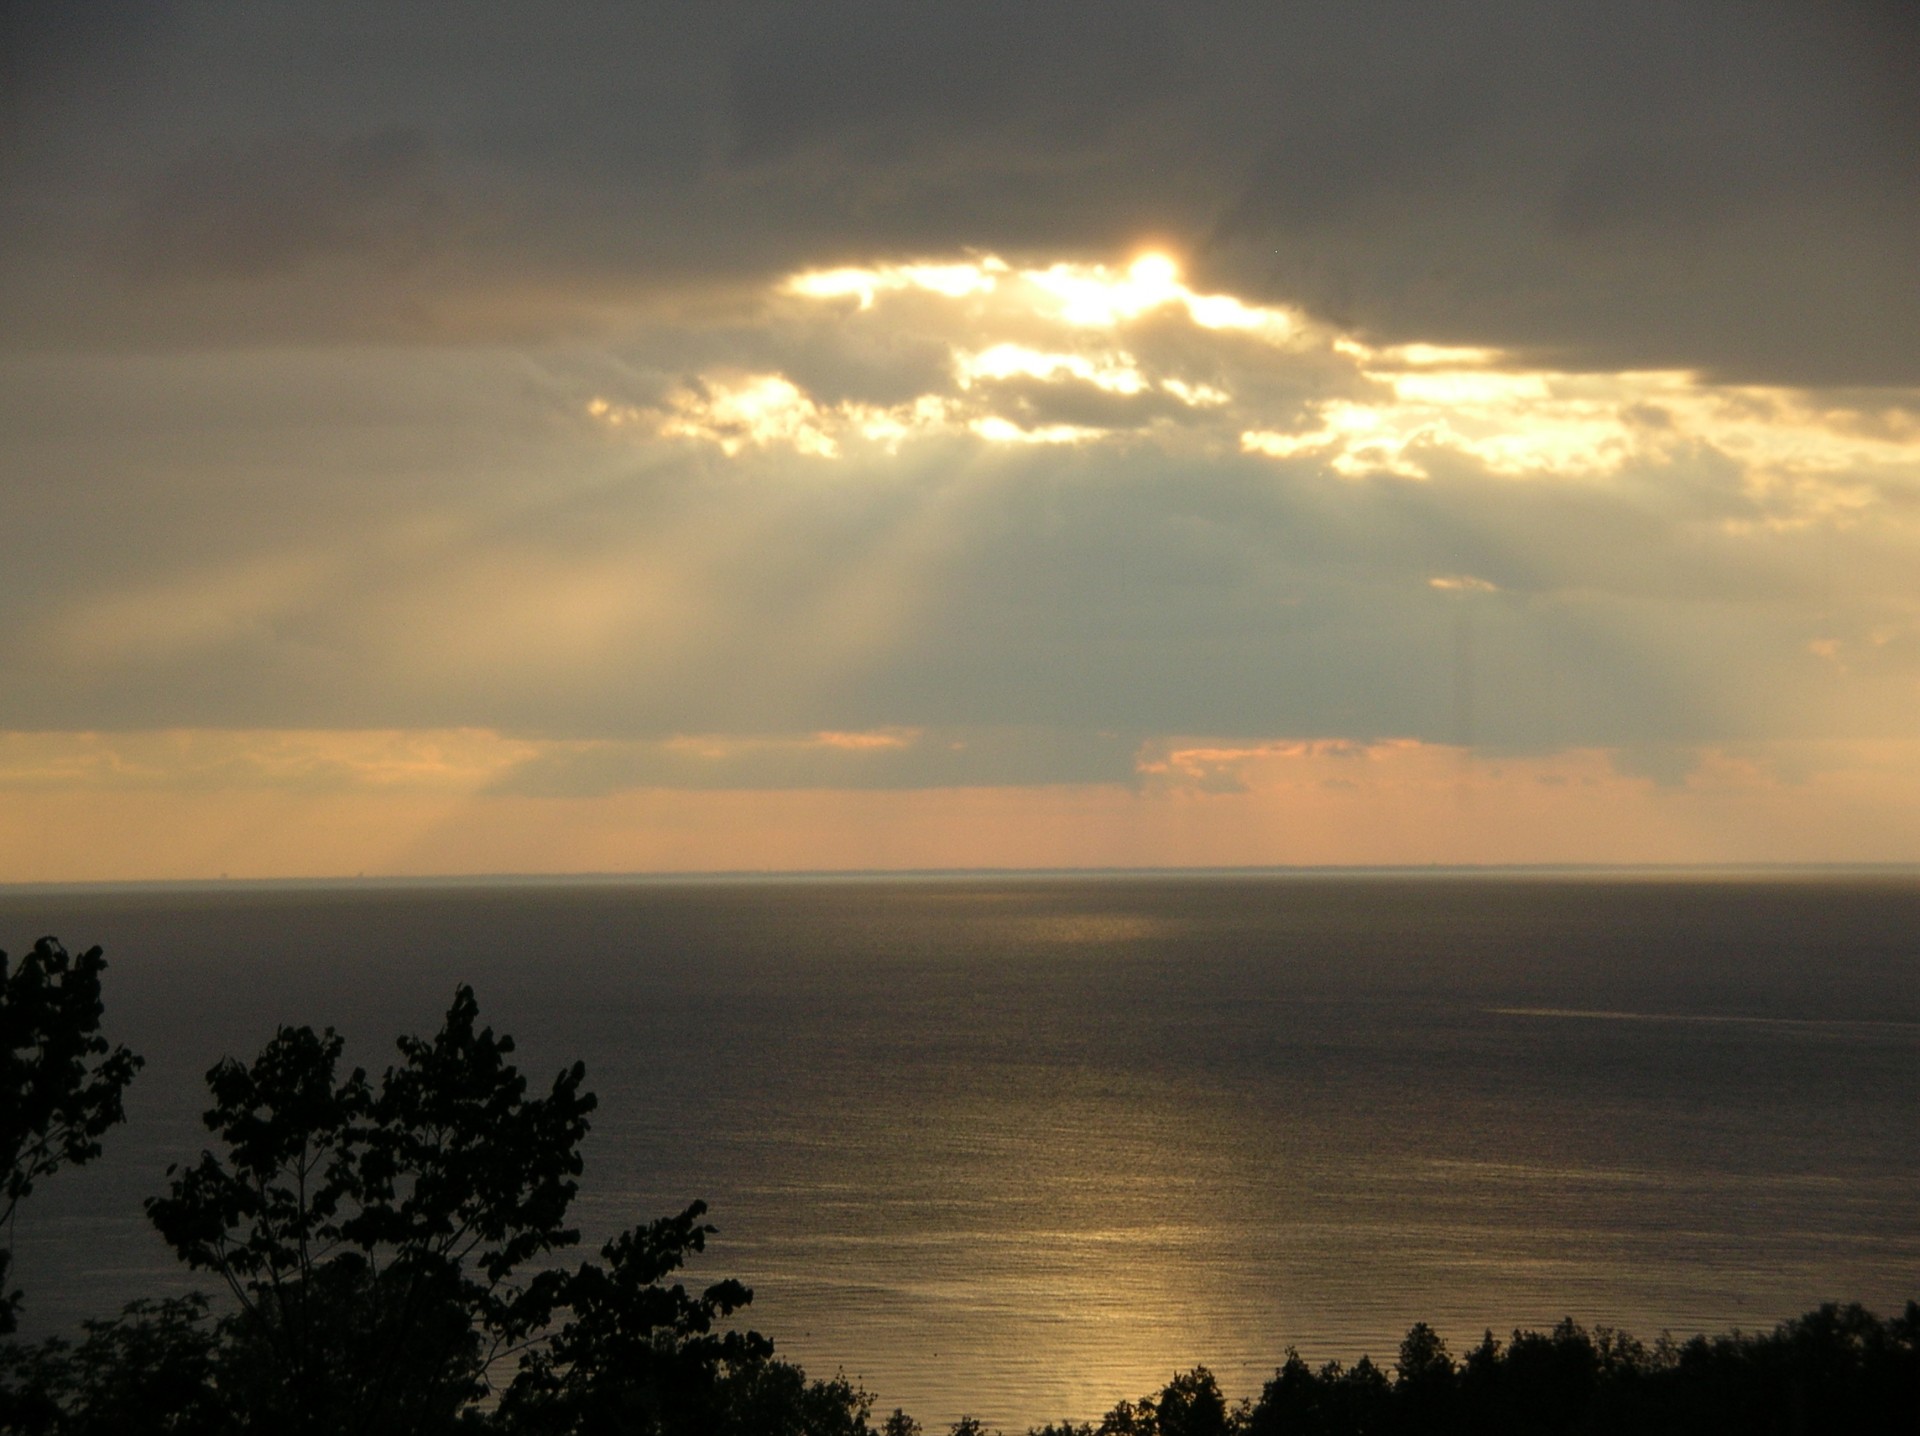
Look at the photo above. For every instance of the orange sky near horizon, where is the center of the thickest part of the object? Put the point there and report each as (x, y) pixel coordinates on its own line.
(1282, 805)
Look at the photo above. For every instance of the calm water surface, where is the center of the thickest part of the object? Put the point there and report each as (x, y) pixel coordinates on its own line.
(1025, 1146)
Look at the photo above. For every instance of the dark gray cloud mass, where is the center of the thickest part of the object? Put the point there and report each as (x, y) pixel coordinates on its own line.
(1727, 186)
(284, 203)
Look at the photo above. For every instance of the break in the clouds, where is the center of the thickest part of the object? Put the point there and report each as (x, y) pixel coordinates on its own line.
(504, 406)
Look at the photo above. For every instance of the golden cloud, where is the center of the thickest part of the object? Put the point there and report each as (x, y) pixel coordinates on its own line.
(1180, 366)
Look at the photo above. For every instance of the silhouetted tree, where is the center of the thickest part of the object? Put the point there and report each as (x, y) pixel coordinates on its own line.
(640, 1357)
(777, 1399)
(1192, 1405)
(374, 1239)
(1290, 1402)
(1834, 1370)
(1363, 1396)
(386, 1246)
(1423, 1383)
(1130, 1419)
(1477, 1384)
(1548, 1379)
(149, 1372)
(60, 1084)
(1837, 1371)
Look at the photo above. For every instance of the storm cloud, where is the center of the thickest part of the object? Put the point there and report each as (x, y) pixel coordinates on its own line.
(1718, 186)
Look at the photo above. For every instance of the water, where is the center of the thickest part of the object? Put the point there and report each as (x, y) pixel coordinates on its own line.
(1026, 1146)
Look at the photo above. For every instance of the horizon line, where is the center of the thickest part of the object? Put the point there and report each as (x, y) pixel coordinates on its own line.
(748, 876)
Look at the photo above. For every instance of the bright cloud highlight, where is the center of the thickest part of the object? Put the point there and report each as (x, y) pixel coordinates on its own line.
(1074, 354)
(750, 409)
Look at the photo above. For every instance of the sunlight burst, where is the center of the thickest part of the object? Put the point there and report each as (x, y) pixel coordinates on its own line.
(1075, 353)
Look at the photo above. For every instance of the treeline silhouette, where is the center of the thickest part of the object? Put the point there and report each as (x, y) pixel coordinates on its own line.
(390, 1253)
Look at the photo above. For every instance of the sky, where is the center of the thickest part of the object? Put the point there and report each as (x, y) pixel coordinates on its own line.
(512, 438)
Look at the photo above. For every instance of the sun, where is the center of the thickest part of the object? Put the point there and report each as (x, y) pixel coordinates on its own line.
(1154, 270)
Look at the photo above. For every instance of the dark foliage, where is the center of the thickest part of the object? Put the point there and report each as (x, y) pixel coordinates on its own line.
(387, 1250)
(638, 1356)
(153, 1371)
(1191, 1405)
(60, 1086)
(374, 1239)
(1837, 1370)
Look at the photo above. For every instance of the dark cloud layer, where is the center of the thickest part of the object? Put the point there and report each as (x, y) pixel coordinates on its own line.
(284, 203)
(1728, 186)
